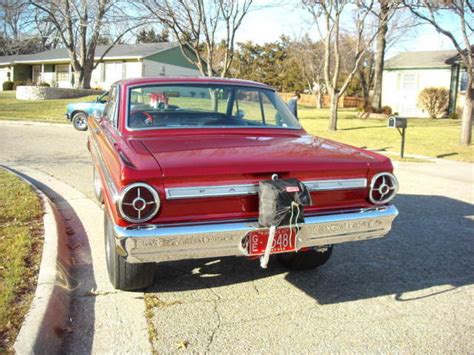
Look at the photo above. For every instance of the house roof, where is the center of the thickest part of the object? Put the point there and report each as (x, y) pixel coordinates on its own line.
(457, 57)
(120, 51)
(420, 59)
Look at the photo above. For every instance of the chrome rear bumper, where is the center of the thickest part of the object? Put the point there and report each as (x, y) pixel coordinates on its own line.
(156, 243)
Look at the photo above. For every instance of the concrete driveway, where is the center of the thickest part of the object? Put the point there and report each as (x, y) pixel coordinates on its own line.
(410, 292)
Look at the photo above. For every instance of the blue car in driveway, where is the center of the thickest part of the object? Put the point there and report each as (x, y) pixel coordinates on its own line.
(78, 112)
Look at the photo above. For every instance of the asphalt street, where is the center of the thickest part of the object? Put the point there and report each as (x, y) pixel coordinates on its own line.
(409, 292)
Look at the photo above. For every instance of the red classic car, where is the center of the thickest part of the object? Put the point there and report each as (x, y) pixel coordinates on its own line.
(179, 164)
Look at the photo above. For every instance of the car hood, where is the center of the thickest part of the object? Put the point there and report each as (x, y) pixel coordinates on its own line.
(237, 154)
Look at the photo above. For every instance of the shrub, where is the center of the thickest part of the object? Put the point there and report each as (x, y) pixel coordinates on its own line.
(434, 101)
(368, 109)
(454, 116)
(386, 110)
(44, 84)
(7, 85)
(17, 83)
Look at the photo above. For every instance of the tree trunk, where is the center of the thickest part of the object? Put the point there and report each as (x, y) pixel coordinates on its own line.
(319, 98)
(333, 111)
(380, 55)
(86, 79)
(77, 75)
(365, 88)
(214, 99)
(466, 124)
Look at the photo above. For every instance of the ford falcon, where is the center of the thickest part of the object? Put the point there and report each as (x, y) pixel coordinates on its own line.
(209, 167)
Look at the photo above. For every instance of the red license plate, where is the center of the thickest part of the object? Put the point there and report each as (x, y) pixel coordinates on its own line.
(284, 241)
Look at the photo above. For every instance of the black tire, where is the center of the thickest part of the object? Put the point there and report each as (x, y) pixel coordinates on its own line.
(79, 121)
(306, 260)
(97, 186)
(122, 275)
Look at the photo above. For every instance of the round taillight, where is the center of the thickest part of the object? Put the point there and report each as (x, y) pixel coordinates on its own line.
(138, 202)
(383, 188)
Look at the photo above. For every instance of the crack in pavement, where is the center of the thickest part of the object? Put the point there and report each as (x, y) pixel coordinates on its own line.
(216, 329)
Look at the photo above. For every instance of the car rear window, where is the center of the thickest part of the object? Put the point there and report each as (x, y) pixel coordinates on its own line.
(203, 106)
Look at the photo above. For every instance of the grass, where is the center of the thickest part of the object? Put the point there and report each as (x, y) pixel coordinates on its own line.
(437, 138)
(20, 252)
(32, 110)
(433, 138)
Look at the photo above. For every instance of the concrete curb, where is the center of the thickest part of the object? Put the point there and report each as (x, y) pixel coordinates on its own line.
(13, 122)
(46, 319)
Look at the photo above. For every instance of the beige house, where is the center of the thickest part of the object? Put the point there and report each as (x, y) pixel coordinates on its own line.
(407, 74)
(122, 61)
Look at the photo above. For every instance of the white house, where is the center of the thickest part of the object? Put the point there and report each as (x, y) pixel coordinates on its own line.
(407, 74)
(122, 61)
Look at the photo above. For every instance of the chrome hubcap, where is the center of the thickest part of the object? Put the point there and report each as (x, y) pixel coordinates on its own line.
(81, 122)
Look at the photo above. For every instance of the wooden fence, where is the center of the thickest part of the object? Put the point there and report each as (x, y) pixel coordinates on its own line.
(310, 100)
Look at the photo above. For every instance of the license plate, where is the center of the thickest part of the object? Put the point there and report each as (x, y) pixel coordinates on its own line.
(284, 241)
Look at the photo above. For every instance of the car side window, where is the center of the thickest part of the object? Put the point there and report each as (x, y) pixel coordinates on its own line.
(248, 106)
(110, 111)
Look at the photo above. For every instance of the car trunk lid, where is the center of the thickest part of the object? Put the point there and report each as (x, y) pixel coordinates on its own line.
(238, 159)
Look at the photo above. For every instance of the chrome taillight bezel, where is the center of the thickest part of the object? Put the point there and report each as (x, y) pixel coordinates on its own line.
(151, 190)
(392, 188)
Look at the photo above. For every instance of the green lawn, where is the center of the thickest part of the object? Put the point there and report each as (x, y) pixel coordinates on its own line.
(41, 110)
(20, 249)
(433, 138)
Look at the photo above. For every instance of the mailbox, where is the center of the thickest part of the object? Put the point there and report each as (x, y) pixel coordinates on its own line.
(397, 122)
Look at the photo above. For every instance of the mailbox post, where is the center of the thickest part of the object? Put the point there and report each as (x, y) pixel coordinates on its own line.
(399, 123)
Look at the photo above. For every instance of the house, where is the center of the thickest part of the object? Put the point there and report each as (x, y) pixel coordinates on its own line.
(407, 74)
(122, 61)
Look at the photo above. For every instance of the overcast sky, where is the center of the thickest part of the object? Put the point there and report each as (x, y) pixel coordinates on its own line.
(267, 24)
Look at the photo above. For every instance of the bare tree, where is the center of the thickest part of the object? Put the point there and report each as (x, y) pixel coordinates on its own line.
(430, 13)
(80, 24)
(366, 73)
(13, 22)
(330, 11)
(12, 17)
(47, 31)
(196, 23)
(309, 56)
(385, 7)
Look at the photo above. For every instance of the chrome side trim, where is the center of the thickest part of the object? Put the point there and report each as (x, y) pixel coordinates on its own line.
(154, 243)
(108, 178)
(176, 193)
(341, 184)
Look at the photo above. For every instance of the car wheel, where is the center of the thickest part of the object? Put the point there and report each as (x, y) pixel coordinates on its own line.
(305, 260)
(123, 275)
(97, 186)
(79, 121)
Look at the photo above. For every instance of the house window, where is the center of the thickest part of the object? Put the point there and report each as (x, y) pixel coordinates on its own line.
(62, 72)
(36, 77)
(463, 81)
(409, 81)
(113, 71)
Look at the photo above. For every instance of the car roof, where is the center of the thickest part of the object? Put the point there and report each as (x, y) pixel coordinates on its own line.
(189, 80)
